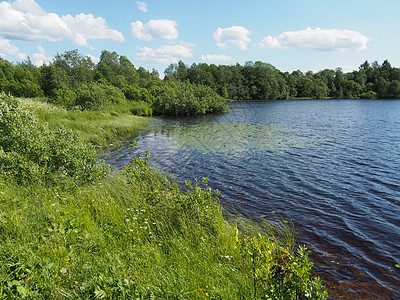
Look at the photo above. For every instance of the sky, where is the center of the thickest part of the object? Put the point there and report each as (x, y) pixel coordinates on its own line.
(289, 34)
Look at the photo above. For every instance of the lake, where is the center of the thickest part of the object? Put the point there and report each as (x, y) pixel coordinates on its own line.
(331, 166)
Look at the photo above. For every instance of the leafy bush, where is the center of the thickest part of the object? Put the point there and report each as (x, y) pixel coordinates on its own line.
(185, 99)
(369, 95)
(278, 272)
(30, 151)
(64, 96)
(136, 93)
(93, 96)
(141, 109)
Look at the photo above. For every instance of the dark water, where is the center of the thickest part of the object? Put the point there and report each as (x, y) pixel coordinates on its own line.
(332, 166)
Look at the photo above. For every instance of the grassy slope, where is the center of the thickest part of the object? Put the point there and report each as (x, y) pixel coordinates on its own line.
(97, 127)
(134, 236)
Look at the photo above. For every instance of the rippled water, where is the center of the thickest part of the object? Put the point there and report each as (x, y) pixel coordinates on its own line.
(332, 166)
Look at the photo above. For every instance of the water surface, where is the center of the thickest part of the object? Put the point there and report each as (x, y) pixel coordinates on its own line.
(332, 167)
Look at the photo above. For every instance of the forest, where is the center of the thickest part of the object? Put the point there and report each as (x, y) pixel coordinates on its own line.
(262, 81)
(75, 82)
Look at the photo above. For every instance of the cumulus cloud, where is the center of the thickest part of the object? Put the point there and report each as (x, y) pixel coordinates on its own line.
(28, 6)
(88, 27)
(216, 58)
(42, 57)
(26, 20)
(155, 29)
(235, 35)
(142, 6)
(93, 58)
(166, 54)
(6, 48)
(319, 39)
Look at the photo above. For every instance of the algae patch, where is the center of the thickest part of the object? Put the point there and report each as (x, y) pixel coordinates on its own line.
(233, 138)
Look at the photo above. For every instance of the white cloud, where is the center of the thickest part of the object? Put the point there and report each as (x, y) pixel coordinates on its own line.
(42, 57)
(166, 54)
(26, 20)
(94, 59)
(28, 6)
(6, 48)
(155, 29)
(86, 27)
(236, 35)
(142, 6)
(319, 39)
(216, 58)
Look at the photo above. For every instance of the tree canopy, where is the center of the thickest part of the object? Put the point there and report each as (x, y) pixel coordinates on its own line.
(74, 81)
(262, 81)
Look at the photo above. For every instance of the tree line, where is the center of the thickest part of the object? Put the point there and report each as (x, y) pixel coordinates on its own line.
(262, 81)
(75, 82)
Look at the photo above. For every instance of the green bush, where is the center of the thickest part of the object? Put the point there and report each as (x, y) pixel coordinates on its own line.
(185, 99)
(64, 96)
(136, 93)
(94, 96)
(278, 272)
(30, 151)
(369, 95)
(141, 109)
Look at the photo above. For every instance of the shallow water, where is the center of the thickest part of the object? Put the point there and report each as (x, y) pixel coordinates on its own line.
(332, 167)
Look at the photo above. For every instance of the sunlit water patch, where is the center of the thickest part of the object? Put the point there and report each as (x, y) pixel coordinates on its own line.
(232, 138)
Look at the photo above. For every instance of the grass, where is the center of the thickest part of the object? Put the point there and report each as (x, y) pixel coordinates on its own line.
(135, 235)
(96, 127)
(126, 238)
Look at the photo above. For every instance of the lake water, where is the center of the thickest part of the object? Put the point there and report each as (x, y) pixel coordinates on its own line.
(332, 167)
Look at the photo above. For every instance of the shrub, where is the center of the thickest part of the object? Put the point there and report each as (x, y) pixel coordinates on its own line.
(65, 97)
(369, 95)
(185, 99)
(30, 151)
(93, 96)
(136, 93)
(141, 109)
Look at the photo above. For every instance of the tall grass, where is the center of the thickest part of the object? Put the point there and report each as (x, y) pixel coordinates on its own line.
(135, 235)
(96, 127)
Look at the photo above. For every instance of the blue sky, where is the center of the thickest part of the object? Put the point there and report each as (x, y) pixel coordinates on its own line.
(290, 34)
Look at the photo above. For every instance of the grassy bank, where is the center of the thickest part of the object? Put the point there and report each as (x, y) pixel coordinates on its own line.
(96, 127)
(131, 234)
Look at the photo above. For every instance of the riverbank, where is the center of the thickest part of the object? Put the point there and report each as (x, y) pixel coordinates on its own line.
(97, 127)
(135, 234)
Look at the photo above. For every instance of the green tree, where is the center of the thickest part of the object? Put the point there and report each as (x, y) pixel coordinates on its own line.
(306, 87)
(320, 89)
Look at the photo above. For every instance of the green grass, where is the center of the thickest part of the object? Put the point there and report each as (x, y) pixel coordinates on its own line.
(96, 127)
(134, 234)
(131, 236)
